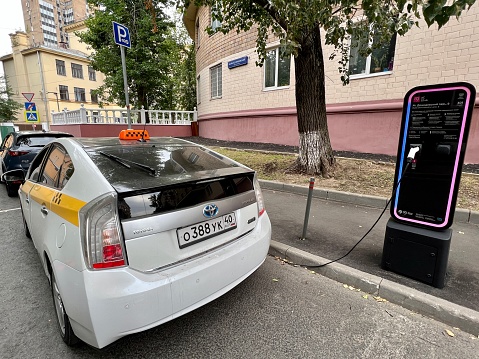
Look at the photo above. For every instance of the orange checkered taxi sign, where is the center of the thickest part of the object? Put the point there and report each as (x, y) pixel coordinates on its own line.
(134, 135)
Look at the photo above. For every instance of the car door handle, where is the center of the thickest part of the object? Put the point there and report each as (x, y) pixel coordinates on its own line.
(44, 210)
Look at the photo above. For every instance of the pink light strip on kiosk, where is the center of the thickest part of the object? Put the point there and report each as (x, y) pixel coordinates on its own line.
(456, 164)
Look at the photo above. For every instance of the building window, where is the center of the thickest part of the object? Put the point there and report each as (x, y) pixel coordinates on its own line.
(198, 35)
(94, 97)
(380, 60)
(277, 67)
(79, 94)
(64, 92)
(216, 81)
(91, 73)
(77, 71)
(198, 89)
(61, 69)
(215, 11)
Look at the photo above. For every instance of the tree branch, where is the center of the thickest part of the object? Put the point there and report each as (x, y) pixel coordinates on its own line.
(273, 12)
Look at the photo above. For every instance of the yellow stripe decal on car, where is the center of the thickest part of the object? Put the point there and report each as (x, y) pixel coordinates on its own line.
(61, 204)
(66, 207)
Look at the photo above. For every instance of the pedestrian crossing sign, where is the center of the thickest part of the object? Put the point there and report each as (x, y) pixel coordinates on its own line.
(32, 116)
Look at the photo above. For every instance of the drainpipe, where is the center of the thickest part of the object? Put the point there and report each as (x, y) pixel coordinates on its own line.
(44, 94)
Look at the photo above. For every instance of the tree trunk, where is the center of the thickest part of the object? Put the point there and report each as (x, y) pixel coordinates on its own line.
(315, 152)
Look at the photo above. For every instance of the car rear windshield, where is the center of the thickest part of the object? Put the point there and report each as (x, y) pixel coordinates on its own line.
(133, 168)
(183, 196)
(35, 141)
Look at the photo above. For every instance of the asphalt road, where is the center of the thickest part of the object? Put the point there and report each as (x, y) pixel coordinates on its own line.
(279, 312)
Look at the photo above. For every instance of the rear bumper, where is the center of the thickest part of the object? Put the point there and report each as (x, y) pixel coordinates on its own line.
(104, 306)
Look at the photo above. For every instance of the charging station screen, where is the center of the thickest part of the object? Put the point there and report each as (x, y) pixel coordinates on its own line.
(435, 126)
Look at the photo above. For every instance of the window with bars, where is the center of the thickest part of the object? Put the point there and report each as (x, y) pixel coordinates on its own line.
(79, 94)
(64, 92)
(77, 71)
(91, 73)
(277, 67)
(216, 81)
(61, 69)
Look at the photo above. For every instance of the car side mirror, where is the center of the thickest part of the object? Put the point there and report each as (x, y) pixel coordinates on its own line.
(14, 176)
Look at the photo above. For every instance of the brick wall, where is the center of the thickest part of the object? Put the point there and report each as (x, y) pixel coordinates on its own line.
(423, 56)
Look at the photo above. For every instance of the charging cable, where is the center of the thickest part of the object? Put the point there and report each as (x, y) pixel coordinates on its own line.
(411, 156)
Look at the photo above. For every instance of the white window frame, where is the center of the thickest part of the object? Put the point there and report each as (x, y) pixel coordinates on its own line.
(198, 90)
(367, 65)
(276, 77)
(198, 33)
(219, 81)
(215, 24)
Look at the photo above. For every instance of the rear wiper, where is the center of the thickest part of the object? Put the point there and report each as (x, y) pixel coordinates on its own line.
(123, 161)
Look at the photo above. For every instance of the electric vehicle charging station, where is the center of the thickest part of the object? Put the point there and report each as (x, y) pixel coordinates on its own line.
(432, 144)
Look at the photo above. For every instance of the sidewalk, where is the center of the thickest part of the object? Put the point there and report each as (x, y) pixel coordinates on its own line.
(337, 223)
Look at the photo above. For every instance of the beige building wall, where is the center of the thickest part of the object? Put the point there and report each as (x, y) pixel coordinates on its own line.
(75, 40)
(34, 70)
(242, 86)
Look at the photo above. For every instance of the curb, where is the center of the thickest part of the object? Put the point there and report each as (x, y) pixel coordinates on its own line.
(460, 215)
(436, 308)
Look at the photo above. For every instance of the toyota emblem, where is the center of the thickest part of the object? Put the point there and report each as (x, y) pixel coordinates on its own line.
(210, 210)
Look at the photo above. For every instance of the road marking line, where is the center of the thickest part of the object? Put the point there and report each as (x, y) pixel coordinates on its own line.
(9, 210)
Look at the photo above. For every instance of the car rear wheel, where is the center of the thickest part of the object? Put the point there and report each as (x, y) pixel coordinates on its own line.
(66, 330)
(25, 227)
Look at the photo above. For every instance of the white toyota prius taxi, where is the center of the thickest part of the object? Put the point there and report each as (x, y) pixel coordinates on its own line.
(133, 234)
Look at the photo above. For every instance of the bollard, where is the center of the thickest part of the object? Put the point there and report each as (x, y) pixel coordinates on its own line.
(308, 208)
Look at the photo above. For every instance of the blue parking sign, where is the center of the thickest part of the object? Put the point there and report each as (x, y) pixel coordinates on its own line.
(121, 34)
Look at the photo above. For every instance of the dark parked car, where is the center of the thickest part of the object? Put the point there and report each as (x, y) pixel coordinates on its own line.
(18, 149)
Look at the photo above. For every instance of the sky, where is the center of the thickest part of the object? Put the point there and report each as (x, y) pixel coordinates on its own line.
(11, 20)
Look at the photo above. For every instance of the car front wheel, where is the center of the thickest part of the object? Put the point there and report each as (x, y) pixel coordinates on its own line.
(66, 330)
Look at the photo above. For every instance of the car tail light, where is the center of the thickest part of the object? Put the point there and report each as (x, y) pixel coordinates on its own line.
(101, 234)
(17, 153)
(259, 197)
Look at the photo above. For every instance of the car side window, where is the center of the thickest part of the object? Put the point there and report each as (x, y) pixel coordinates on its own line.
(66, 171)
(53, 164)
(36, 164)
(6, 144)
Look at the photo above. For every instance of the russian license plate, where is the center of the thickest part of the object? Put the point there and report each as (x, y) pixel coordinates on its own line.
(204, 230)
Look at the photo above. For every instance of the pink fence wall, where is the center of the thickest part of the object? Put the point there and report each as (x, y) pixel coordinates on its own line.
(358, 127)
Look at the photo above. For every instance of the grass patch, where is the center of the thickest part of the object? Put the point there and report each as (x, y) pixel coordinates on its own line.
(350, 175)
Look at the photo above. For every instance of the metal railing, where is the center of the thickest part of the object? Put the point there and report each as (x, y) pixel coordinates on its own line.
(119, 116)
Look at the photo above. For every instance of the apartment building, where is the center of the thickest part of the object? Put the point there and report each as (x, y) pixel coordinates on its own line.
(59, 78)
(238, 100)
(46, 20)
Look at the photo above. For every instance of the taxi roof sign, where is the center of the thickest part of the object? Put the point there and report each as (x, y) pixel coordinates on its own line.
(134, 135)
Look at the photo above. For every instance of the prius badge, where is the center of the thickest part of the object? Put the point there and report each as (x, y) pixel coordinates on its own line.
(210, 210)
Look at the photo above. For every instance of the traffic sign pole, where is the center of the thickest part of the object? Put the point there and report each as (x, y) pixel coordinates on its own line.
(125, 84)
(121, 35)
